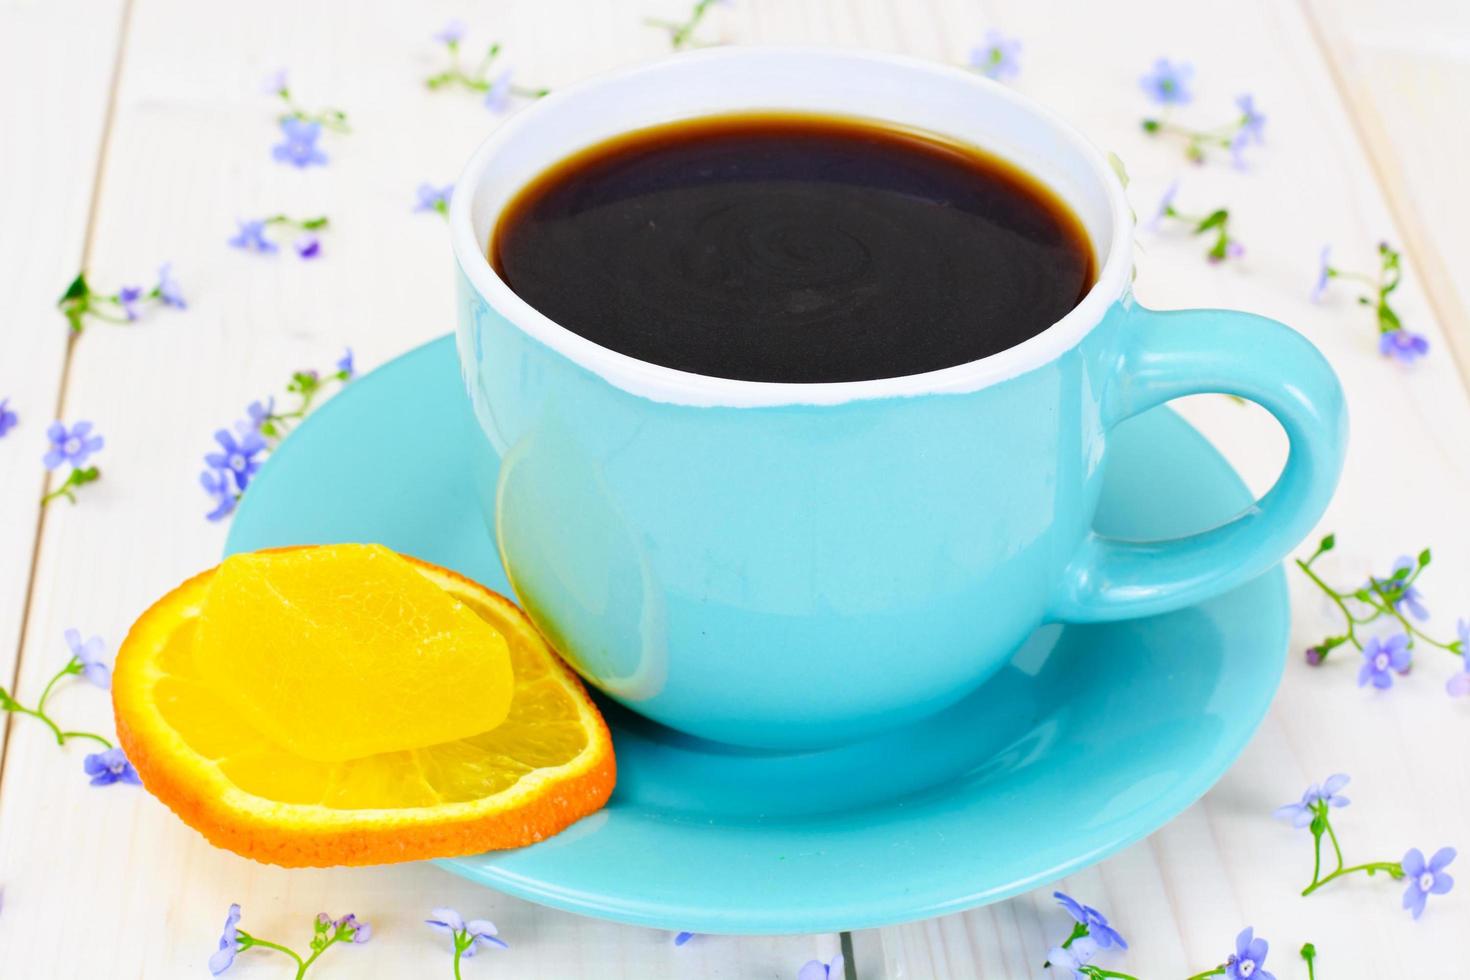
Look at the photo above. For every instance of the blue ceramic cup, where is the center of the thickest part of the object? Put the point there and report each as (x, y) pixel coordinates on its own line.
(797, 565)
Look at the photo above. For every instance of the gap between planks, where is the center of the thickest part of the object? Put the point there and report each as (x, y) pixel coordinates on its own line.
(114, 76)
(1415, 246)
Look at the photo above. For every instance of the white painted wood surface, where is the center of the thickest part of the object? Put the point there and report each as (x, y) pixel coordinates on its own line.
(187, 150)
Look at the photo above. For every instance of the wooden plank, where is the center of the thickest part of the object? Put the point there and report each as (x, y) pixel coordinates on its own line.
(191, 152)
(1181, 895)
(68, 51)
(1404, 69)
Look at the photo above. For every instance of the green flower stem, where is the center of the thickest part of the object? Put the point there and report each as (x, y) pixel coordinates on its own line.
(75, 479)
(73, 666)
(1337, 599)
(93, 736)
(1390, 273)
(307, 224)
(1217, 220)
(1380, 598)
(1322, 826)
(478, 80)
(8, 703)
(462, 941)
(1336, 847)
(306, 388)
(56, 730)
(109, 317)
(1309, 953)
(1413, 631)
(1196, 139)
(1099, 973)
(333, 119)
(1393, 868)
(681, 34)
(301, 970)
(247, 941)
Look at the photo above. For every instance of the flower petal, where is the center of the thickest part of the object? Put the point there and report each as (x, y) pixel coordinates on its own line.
(481, 927)
(1414, 899)
(447, 918)
(1073, 907)
(221, 960)
(1442, 858)
(812, 970)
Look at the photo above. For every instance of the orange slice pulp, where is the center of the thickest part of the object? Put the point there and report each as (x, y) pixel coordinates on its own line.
(548, 763)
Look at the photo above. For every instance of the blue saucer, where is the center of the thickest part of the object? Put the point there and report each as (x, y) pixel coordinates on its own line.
(1092, 738)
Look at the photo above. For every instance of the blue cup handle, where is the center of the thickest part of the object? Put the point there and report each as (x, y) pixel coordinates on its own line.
(1166, 355)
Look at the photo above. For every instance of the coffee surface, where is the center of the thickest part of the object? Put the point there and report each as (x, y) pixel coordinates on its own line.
(793, 248)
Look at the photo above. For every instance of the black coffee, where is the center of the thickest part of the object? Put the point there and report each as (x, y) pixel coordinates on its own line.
(793, 248)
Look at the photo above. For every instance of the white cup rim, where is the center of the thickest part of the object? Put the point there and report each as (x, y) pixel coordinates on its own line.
(665, 384)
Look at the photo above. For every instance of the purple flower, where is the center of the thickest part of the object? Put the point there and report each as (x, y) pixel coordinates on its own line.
(229, 943)
(1097, 924)
(1459, 685)
(1168, 83)
(497, 99)
(1252, 128)
(997, 57)
(275, 82)
(89, 655)
(250, 236)
(361, 932)
(476, 931)
(1315, 656)
(238, 457)
(1300, 814)
(109, 767)
(681, 938)
(1071, 959)
(260, 412)
(817, 970)
(1324, 273)
(308, 247)
(1247, 962)
(127, 298)
(345, 367)
(451, 33)
(216, 483)
(1407, 347)
(72, 446)
(1165, 204)
(1426, 879)
(299, 148)
(168, 288)
(433, 198)
(8, 418)
(1410, 596)
(1381, 659)
(1233, 250)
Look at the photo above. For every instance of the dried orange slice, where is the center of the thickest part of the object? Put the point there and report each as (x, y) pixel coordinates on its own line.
(335, 652)
(549, 763)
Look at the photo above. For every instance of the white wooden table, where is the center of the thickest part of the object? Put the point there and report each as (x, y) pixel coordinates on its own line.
(134, 131)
